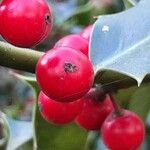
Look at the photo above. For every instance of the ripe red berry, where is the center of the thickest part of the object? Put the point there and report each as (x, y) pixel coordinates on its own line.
(64, 74)
(57, 112)
(94, 112)
(124, 132)
(74, 41)
(86, 33)
(25, 23)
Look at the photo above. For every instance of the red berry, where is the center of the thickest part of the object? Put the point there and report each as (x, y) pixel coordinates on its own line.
(86, 33)
(94, 112)
(64, 74)
(57, 112)
(124, 132)
(25, 23)
(74, 41)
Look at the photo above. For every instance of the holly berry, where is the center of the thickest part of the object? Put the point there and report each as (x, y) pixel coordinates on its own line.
(64, 74)
(25, 23)
(94, 111)
(123, 132)
(86, 33)
(74, 41)
(57, 112)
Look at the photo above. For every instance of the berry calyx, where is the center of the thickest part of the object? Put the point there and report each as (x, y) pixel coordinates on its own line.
(94, 111)
(57, 112)
(25, 23)
(74, 41)
(64, 74)
(123, 132)
(86, 33)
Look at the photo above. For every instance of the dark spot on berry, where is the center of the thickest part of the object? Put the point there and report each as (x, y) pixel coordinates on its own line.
(70, 68)
(47, 19)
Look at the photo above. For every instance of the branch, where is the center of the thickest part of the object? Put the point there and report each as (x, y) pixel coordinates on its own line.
(18, 58)
(26, 59)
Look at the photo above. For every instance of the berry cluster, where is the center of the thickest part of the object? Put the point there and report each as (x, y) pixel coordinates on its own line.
(65, 76)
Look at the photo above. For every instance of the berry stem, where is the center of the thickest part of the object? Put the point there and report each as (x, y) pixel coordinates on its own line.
(100, 92)
(117, 108)
(18, 58)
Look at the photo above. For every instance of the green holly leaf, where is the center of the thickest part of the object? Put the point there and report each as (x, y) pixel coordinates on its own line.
(140, 102)
(124, 96)
(121, 43)
(135, 99)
